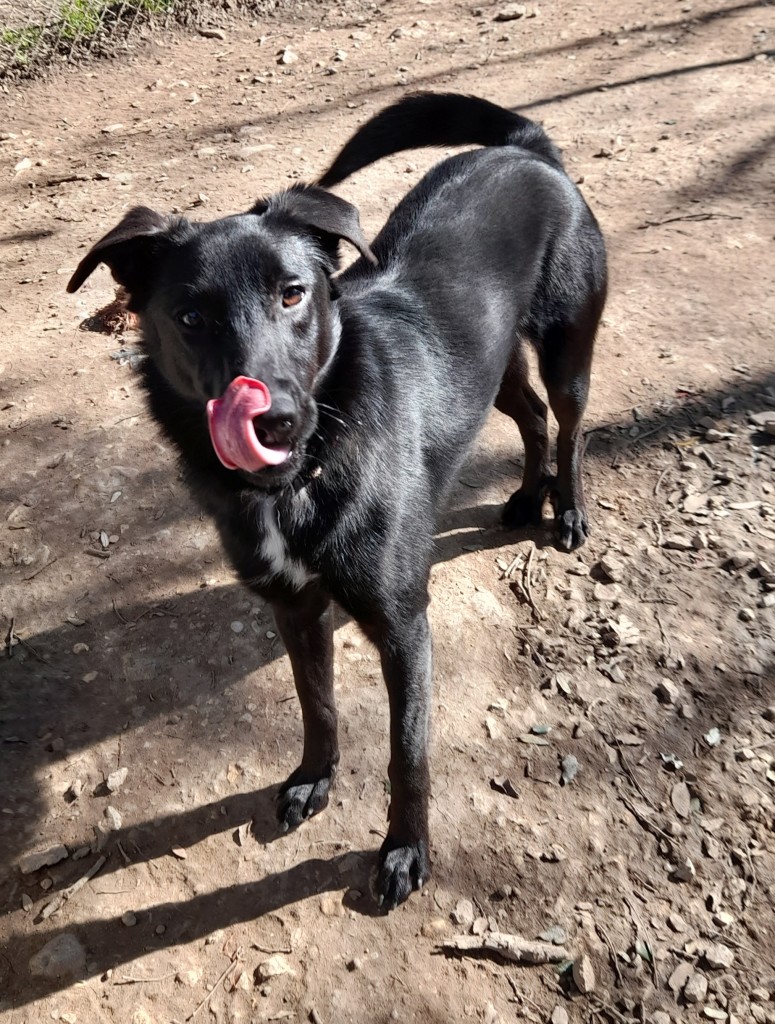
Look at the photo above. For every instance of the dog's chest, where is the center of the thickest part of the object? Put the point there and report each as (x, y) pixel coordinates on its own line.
(276, 560)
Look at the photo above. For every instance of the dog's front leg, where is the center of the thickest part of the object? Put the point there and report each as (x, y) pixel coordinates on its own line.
(306, 627)
(405, 650)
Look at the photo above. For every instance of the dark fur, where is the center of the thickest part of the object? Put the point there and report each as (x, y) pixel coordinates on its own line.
(381, 378)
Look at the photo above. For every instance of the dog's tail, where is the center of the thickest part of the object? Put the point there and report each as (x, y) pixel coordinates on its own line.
(438, 119)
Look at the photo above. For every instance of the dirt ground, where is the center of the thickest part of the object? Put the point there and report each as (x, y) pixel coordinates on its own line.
(648, 656)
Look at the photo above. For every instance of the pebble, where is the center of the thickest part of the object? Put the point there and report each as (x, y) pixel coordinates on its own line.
(74, 790)
(612, 568)
(511, 12)
(556, 935)
(679, 977)
(685, 871)
(237, 626)
(116, 779)
(667, 691)
(287, 56)
(681, 799)
(559, 1015)
(112, 818)
(42, 858)
(26, 902)
(570, 769)
(739, 559)
(62, 957)
(747, 615)
(273, 968)
(678, 542)
(676, 922)
(696, 988)
(433, 928)
(719, 957)
(463, 914)
(660, 1017)
(129, 919)
(763, 420)
(584, 975)
(330, 907)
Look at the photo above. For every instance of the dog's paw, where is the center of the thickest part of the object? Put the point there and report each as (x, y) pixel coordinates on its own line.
(572, 528)
(524, 508)
(300, 797)
(402, 869)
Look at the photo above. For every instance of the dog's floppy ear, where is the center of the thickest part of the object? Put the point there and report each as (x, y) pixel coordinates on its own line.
(125, 250)
(326, 214)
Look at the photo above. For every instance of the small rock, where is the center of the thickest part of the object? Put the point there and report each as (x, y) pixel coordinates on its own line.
(612, 568)
(42, 858)
(723, 919)
(696, 988)
(129, 919)
(679, 977)
(714, 1013)
(719, 957)
(556, 935)
(74, 790)
(212, 33)
(62, 957)
(331, 907)
(660, 1017)
(179, 852)
(46, 883)
(739, 559)
(116, 779)
(480, 926)
(569, 769)
(676, 922)
(511, 12)
(433, 928)
(685, 871)
(713, 737)
(763, 421)
(287, 56)
(237, 627)
(273, 968)
(667, 692)
(26, 902)
(681, 799)
(112, 818)
(559, 1015)
(584, 975)
(463, 914)
(678, 542)
(747, 615)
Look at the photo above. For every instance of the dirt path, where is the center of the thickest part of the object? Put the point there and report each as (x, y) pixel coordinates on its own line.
(129, 645)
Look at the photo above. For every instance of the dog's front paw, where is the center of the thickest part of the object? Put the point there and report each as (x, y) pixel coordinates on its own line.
(402, 869)
(301, 796)
(523, 508)
(572, 528)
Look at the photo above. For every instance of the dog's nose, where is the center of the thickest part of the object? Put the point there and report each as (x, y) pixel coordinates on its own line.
(277, 426)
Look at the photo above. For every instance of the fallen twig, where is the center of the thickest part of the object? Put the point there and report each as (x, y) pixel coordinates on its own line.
(235, 959)
(59, 900)
(129, 980)
(688, 216)
(40, 570)
(614, 959)
(512, 947)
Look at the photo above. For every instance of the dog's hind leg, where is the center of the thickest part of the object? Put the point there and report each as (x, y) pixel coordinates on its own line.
(405, 651)
(566, 360)
(306, 627)
(517, 399)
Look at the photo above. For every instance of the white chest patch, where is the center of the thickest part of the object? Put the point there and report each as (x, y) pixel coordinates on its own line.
(274, 549)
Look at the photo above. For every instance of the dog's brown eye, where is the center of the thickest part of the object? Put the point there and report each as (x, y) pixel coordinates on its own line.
(292, 296)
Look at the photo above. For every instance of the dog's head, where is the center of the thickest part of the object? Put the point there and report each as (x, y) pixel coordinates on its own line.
(239, 316)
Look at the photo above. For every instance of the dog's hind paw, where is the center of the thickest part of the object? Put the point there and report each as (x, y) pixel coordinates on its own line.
(572, 528)
(402, 869)
(300, 797)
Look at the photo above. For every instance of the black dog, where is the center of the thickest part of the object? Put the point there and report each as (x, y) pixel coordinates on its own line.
(341, 408)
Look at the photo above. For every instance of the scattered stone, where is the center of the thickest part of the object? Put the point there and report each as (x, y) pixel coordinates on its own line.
(559, 1015)
(714, 1013)
(502, 784)
(179, 852)
(681, 799)
(511, 12)
(740, 559)
(660, 1017)
(433, 928)
(584, 975)
(112, 818)
(763, 421)
(42, 858)
(679, 978)
(463, 914)
(331, 907)
(129, 919)
(273, 967)
(678, 542)
(569, 768)
(556, 935)
(116, 779)
(711, 848)
(26, 902)
(160, 929)
(676, 922)
(723, 919)
(45, 884)
(287, 56)
(719, 957)
(685, 871)
(696, 988)
(62, 957)
(713, 737)
(667, 692)
(212, 33)
(237, 627)
(747, 615)
(74, 790)
(612, 568)
(480, 926)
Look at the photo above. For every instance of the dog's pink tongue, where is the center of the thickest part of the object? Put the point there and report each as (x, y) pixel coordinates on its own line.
(231, 426)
